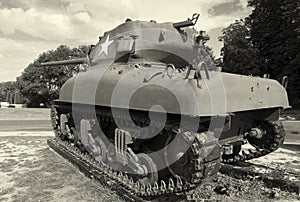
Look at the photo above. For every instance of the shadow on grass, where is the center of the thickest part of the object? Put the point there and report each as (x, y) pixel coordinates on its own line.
(52, 178)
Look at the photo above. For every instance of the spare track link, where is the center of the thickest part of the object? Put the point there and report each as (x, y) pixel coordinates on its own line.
(120, 182)
(249, 154)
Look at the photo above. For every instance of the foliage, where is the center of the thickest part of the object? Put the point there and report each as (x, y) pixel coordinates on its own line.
(41, 84)
(273, 45)
(210, 52)
(275, 29)
(239, 54)
(7, 90)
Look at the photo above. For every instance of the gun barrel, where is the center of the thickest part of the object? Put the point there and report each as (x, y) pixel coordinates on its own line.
(179, 25)
(189, 22)
(65, 62)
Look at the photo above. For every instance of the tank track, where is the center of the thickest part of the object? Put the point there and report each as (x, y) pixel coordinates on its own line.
(172, 189)
(169, 189)
(277, 134)
(125, 186)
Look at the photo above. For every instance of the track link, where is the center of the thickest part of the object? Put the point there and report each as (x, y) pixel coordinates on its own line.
(126, 187)
(278, 136)
(173, 189)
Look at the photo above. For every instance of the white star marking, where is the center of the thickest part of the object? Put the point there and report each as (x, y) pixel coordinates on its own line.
(105, 46)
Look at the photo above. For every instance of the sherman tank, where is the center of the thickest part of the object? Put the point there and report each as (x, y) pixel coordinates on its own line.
(154, 117)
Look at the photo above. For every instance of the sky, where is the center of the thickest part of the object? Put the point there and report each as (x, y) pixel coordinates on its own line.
(30, 27)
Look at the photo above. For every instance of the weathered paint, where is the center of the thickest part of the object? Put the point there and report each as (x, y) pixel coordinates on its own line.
(241, 92)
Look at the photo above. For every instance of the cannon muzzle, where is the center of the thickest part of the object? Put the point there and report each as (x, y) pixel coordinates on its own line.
(65, 62)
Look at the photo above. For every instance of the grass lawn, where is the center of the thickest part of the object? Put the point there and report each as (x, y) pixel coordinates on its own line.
(30, 171)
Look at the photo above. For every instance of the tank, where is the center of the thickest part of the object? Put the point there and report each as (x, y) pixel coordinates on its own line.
(155, 113)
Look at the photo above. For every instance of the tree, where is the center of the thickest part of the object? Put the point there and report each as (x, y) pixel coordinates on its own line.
(275, 29)
(239, 54)
(7, 90)
(210, 52)
(41, 84)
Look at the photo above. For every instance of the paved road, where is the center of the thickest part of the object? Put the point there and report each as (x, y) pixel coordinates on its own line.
(25, 125)
(292, 127)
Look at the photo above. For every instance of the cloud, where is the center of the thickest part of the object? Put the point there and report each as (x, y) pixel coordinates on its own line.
(71, 20)
(231, 7)
(65, 20)
(17, 55)
(20, 36)
(225, 8)
(177, 10)
(30, 27)
(83, 17)
(34, 23)
(8, 44)
(10, 50)
(243, 3)
(40, 4)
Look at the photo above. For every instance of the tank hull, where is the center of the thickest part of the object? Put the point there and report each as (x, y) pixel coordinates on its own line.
(221, 94)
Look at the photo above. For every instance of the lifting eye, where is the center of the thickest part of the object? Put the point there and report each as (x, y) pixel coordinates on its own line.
(170, 70)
